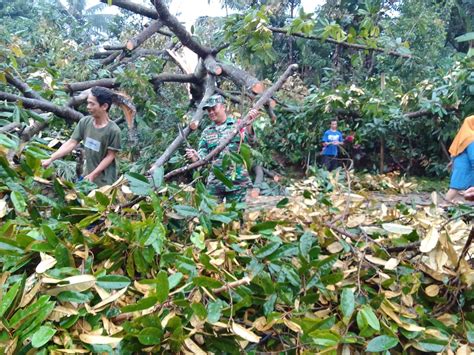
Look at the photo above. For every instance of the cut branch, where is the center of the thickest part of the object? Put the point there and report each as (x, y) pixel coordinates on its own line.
(212, 66)
(67, 113)
(178, 29)
(246, 121)
(344, 44)
(149, 31)
(242, 78)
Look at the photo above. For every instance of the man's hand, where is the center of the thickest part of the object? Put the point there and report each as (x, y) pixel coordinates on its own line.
(192, 155)
(253, 114)
(469, 194)
(91, 177)
(47, 162)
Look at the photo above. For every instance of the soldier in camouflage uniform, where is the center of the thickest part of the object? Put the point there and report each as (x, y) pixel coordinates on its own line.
(211, 137)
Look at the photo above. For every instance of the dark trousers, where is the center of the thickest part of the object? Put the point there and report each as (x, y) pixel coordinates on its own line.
(330, 162)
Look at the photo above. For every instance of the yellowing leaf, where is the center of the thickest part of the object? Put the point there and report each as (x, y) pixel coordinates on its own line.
(193, 347)
(397, 228)
(432, 290)
(99, 339)
(391, 264)
(47, 262)
(75, 283)
(375, 260)
(429, 242)
(3, 208)
(335, 247)
(110, 299)
(245, 333)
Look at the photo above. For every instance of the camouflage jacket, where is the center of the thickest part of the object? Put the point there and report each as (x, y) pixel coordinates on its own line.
(210, 138)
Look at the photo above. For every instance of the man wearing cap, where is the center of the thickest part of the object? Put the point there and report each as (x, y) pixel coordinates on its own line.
(211, 137)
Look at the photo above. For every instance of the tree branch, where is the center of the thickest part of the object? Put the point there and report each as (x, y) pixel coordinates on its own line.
(168, 153)
(242, 78)
(23, 87)
(67, 113)
(135, 8)
(345, 44)
(84, 85)
(237, 127)
(149, 31)
(178, 29)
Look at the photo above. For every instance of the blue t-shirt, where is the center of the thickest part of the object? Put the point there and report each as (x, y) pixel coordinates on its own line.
(331, 136)
(462, 176)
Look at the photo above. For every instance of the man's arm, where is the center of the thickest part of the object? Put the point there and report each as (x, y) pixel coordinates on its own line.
(108, 159)
(65, 149)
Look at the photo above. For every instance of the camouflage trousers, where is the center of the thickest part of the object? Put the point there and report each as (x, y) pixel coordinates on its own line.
(238, 194)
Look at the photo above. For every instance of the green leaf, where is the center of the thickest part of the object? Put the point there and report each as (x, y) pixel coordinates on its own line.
(102, 199)
(74, 296)
(42, 336)
(370, 317)
(112, 282)
(9, 297)
(186, 211)
(173, 280)
(433, 345)
(207, 282)
(465, 37)
(144, 303)
(162, 286)
(199, 310)
(214, 310)
(267, 250)
(150, 336)
(347, 303)
(8, 142)
(283, 202)
(324, 338)
(306, 242)
(139, 184)
(222, 178)
(382, 343)
(264, 226)
(18, 201)
(158, 176)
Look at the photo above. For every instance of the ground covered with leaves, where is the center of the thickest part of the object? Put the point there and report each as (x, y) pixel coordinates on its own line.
(326, 268)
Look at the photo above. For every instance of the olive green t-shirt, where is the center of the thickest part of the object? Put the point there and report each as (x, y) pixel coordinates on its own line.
(96, 142)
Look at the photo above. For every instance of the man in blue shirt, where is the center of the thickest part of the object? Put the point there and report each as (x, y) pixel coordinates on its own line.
(331, 140)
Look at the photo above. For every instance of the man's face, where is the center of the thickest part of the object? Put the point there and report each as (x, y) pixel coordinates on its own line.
(94, 108)
(334, 125)
(217, 113)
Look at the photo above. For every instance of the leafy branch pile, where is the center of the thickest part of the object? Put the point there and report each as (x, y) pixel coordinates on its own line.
(322, 271)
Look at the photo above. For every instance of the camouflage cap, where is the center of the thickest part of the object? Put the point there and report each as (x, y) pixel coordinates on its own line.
(213, 101)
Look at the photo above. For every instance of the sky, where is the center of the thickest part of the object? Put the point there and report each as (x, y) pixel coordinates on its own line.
(188, 11)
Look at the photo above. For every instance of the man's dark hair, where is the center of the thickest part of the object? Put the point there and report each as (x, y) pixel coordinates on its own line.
(333, 120)
(103, 95)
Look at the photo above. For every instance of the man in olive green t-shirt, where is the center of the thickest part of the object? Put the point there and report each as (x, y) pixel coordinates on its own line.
(100, 137)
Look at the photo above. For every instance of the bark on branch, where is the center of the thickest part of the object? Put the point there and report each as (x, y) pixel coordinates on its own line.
(344, 44)
(237, 127)
(84, 85)
(231, 285)
(179, 30)
(242, 78)
(134, 7)
(149, 31)
(23, 87)
(67, 113)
